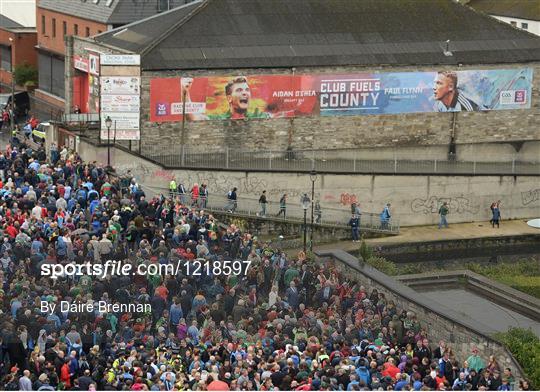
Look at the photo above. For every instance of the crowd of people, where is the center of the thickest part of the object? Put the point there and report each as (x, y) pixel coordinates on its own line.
(287, 323)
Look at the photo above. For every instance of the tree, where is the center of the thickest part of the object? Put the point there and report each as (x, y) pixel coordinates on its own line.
(25, 73)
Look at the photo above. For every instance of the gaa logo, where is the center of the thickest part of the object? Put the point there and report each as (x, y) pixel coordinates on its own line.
(161, 109)
(520, 96)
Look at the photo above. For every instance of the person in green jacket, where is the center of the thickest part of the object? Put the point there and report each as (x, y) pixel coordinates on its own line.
(475, 362)
(290, 274)
(443, 211)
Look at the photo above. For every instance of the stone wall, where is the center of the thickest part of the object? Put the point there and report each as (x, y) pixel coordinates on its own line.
(344, 131)
(415, 199)
(460, 331)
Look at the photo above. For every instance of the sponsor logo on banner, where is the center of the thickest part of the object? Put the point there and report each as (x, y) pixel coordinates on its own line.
(511, 97)
(161, 109)
(191, 107)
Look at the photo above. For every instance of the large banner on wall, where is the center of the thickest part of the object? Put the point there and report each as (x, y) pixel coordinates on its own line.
(278, 96)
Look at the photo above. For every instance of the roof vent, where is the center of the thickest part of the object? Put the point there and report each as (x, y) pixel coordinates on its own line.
(447, 52)
(96, 1)
(109, 3)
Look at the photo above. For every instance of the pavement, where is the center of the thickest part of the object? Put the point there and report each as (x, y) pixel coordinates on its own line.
(422, 234)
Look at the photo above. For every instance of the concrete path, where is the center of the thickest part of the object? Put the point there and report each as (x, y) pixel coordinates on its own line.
(432, 233)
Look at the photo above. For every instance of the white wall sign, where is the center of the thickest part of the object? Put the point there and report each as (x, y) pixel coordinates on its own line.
(120, 59)
(120, 103)
(120, 85)
(124, 125)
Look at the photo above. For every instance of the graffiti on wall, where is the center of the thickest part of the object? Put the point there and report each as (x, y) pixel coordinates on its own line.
(347, 199)
(431, 205)
(530, 196)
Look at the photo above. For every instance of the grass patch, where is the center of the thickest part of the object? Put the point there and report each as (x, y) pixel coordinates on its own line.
(522, 275)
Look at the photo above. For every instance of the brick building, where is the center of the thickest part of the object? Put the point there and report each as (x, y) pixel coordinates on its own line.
(215, 40)
(16, 47)
(58, 19)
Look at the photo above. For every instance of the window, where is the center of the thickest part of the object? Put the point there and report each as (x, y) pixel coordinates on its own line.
(524, 26)
(64, 27)
(53, 27)
(513, 23)
(43, 24)
(163, 5)
(75, 29)
(51, 74)
(88, 32)
(5, 58)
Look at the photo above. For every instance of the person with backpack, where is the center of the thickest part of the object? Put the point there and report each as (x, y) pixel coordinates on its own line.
(385, 217)
(443, 211)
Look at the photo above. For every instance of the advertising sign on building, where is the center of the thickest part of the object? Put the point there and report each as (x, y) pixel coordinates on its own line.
(93, 64)
(120, 59)
(80, 63)
(120, 100)
(120, 103)
(120, 85)
(285, 96)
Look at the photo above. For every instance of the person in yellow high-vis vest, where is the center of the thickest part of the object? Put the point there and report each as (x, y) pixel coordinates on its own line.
(173, 187)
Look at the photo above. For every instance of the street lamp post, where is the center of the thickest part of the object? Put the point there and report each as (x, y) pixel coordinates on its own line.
(305, 205)
(313, 178)
(108, 123)
(12, 114)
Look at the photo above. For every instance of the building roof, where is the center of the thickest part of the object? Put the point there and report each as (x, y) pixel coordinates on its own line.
(285, 33)
(7, 23)
(109, 11)
(137, 36)
(523, 9)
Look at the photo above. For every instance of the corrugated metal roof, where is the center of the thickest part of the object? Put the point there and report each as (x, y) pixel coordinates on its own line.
(286, 33)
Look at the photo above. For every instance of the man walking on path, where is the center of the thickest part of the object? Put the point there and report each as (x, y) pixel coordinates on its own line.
(496, 211)
(385, 217)
(354, 222)
(443, 211)
(262, 203)
(283, 206)
(231, 200)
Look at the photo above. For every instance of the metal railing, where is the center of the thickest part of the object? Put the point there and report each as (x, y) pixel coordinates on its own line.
(339, 161)
(83, 118)
(294, 212)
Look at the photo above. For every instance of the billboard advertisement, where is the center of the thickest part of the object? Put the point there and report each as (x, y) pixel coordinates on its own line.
(120, 100)
(279, 96)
